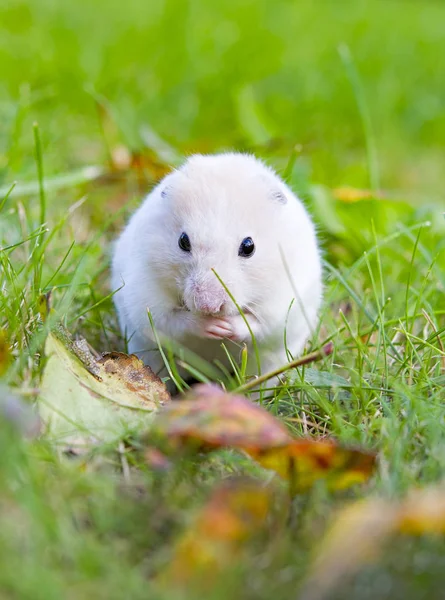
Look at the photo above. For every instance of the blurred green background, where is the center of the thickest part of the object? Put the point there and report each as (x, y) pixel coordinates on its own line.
(249, 74)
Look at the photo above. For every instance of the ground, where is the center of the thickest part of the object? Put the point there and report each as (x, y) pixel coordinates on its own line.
(345, 99)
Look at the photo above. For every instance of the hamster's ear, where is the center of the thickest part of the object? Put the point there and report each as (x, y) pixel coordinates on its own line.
(278, 196)
(275, 192)
(166, 185)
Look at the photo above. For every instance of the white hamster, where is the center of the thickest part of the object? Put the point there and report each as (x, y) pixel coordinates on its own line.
(230, 214)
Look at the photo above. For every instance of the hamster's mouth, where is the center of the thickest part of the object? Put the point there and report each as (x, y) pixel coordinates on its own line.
(182, 307)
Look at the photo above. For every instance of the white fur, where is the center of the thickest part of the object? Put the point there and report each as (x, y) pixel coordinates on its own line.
(218, 201)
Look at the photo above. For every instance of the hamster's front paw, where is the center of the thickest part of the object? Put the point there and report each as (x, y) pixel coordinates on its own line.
(230, 328)
(240, 330)
(217, 328)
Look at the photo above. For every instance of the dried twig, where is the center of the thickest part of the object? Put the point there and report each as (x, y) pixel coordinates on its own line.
(304, 360)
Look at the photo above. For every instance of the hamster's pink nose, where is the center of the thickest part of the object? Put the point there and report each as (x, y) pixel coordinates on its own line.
(208, 299)
(204, 294)
(208, 304)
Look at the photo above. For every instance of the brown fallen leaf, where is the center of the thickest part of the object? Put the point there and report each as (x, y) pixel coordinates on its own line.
(84, 399)
(215, 540)
(127, 373)
(305, 461)
(360, 531)
(210, 418)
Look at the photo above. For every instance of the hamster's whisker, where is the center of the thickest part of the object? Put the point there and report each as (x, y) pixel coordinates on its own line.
(253, 313)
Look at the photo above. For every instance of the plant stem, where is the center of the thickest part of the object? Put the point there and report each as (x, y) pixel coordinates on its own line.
(304, 360)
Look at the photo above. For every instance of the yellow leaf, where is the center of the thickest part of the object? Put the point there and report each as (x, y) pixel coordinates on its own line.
(360, 531)
(423, 512)
(353, 539)
(305, 461)
(351, 194)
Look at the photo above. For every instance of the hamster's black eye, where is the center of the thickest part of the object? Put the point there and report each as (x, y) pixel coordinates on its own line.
(247, 247)
(184, 242)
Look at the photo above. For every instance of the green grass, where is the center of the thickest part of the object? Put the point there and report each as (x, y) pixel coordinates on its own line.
(331, 93)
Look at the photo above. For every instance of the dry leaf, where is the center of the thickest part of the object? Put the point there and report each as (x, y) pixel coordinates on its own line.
(84, 399)
(360, 531)
(211, 418)
(126, 374)
(233, 515)
(305, 461)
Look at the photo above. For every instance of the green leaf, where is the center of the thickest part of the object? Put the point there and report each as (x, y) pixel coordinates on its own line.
(325, 379)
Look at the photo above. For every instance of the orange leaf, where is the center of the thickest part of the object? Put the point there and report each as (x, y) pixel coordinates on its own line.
(305, 461)
(210, 418)
(234, 513)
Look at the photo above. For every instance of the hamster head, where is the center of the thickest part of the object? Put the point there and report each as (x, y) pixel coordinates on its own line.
(218, 218)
